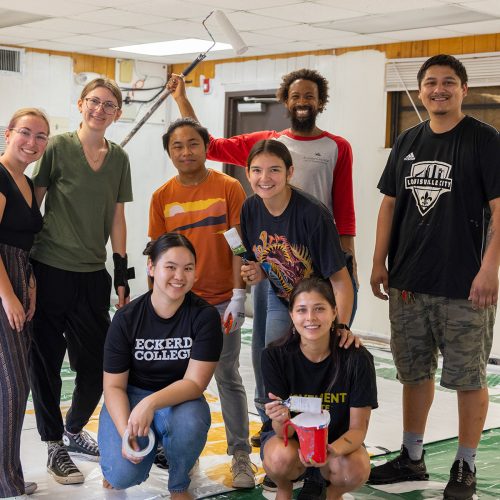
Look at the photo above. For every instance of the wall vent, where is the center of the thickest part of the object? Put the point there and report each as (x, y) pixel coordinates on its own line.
(11, 60)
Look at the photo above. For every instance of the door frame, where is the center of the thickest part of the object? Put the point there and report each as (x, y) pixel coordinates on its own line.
(231, 108)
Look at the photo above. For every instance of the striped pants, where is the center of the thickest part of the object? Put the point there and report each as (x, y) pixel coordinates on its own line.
(14, 385)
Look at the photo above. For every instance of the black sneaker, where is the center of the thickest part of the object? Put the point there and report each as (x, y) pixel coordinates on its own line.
(60, 465)
(255, 439)
(81, 444)
(314, 487)
(268, 484)
(160, 458)
(462, 483)
(401, 468)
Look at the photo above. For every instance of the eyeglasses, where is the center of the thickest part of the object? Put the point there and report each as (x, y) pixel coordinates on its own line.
(108, 107)
(27, 134)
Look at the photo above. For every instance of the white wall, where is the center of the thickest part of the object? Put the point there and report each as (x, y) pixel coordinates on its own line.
(357, 111)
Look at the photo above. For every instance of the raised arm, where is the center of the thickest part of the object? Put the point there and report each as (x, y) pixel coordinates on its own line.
(177, 86)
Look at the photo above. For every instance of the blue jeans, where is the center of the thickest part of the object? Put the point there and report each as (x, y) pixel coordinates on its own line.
(271, 321)
(182, 429)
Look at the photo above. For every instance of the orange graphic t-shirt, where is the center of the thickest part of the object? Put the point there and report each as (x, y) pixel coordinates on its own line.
(202, 213)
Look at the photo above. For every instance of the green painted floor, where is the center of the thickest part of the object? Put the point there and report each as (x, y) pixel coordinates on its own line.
(438, 458)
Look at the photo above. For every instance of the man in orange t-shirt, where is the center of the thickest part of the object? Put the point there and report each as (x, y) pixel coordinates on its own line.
(202, 203)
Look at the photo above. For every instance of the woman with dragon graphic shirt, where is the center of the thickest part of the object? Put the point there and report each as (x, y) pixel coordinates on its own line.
(289, 236)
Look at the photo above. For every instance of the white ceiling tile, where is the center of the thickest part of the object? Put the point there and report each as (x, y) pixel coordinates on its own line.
(137, 36)
(31, 33)
(244, 21)
(244, 4)
(70, 25)
(489, 6)
(117, 17)
(480, 28)
(291, 47)
(307, 12)
(304, 32)
(109, 3)
(62, 47)
(357, 40)
(267, 38)
(175, 9)
(49, 7)
(184, 29)
(9, 40)
(417, 34)
(381, 6)
(90, 41)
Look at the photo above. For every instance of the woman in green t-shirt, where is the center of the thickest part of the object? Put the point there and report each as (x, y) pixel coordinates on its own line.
(85, 180)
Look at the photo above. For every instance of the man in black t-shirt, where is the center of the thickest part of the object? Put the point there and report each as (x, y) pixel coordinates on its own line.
(439, 227)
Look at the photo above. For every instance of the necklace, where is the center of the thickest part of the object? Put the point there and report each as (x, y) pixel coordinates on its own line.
(95, 160)
(207, 173)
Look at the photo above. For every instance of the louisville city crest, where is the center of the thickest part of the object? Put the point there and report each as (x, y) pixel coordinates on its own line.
(428, 180)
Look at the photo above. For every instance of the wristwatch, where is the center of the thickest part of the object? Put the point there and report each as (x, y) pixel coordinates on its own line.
(343, 326)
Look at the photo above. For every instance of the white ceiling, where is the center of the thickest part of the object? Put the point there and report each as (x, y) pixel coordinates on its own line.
(267, 26)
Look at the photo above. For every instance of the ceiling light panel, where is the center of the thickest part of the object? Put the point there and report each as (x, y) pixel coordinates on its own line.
(173, 47)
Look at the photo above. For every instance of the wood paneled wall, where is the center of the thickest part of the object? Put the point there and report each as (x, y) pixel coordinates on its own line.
(423, 48)
(84, 62)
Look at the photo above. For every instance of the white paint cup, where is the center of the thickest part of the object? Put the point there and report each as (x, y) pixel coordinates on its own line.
(141, 453)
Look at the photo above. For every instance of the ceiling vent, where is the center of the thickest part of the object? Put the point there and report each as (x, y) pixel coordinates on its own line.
(11, 60)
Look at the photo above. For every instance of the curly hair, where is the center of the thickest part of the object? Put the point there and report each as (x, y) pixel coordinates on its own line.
(303, 74)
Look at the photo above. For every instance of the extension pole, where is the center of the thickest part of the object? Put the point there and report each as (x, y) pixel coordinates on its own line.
(160, 100)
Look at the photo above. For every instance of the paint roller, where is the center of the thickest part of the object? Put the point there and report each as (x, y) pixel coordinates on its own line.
(234, 39)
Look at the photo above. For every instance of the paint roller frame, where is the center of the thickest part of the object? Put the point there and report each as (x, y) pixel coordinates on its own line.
(236, 42)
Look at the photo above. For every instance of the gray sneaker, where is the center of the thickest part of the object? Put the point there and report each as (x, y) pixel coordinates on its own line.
(243, 470)
(82, 445)
(60, 465)
(30, 487)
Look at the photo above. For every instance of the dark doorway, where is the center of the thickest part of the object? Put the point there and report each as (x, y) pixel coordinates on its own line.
(273, 116)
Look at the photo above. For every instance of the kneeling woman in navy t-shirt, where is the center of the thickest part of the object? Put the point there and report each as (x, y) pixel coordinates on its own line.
(309, 362)
(160, 354)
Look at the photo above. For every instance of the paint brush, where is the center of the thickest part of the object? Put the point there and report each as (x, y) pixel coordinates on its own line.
(235, 244)
(297, 404)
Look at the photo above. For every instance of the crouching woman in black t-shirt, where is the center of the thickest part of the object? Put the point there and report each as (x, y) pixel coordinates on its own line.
(160, 354)
(309, 362)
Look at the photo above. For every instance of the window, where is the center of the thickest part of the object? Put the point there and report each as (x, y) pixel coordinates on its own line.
(482, 103)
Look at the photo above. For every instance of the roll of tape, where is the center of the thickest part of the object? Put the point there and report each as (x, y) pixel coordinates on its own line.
(141, 453)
